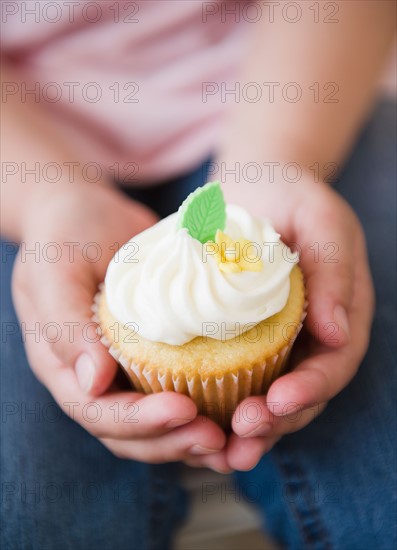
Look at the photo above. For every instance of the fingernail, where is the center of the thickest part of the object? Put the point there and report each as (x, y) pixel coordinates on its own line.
(175, 422)
(263, 429)
(85, 370)
(340, 318)
(254, 466)
(199, 450)
(220, 471)
(291, 410)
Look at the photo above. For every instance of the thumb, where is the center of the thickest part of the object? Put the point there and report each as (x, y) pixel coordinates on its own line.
(329, 282)
(64, 305)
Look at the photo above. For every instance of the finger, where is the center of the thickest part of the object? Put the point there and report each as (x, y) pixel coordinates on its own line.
(296, 420)
(197, 438)
(217, 462)
(62, 310)
(123, 415)
(255, 418)
(244, 454)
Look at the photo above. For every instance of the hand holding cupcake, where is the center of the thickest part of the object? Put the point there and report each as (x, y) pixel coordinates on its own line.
(207, 302)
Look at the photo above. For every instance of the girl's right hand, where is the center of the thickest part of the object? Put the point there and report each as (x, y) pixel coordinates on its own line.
(73, 237)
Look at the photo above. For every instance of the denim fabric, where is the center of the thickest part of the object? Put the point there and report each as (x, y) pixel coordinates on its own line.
(332, 485)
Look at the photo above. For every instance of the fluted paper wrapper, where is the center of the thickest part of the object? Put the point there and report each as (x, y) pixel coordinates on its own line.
(216, 397)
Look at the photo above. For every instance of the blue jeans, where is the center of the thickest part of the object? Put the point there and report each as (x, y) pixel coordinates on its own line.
(331, 485)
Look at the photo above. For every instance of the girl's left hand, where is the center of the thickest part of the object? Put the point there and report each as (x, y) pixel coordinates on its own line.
(340, 311)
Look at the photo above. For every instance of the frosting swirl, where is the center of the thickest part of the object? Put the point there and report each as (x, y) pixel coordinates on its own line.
(170, 286)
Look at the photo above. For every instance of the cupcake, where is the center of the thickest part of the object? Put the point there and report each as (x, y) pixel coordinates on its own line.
(207, 302)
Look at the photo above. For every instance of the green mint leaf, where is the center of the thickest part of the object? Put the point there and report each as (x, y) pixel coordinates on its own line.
(203, 212)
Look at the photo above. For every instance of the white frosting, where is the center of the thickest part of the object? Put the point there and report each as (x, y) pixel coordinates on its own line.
(163, 282)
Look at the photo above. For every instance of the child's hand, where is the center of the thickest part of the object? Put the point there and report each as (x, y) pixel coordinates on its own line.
(74, 236)
(341, 303)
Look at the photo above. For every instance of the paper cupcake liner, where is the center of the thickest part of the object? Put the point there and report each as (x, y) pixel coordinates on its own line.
(216, 397)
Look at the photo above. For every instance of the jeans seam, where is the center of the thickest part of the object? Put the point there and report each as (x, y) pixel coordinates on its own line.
(315, 535)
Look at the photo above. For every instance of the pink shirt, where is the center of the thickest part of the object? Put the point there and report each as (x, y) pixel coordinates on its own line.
(127, 82)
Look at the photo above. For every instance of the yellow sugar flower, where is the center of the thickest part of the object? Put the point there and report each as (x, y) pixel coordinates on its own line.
(234, 256)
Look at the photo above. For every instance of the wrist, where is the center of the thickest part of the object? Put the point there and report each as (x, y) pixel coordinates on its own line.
(58, 205)
(279, 200)
(270, 169)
